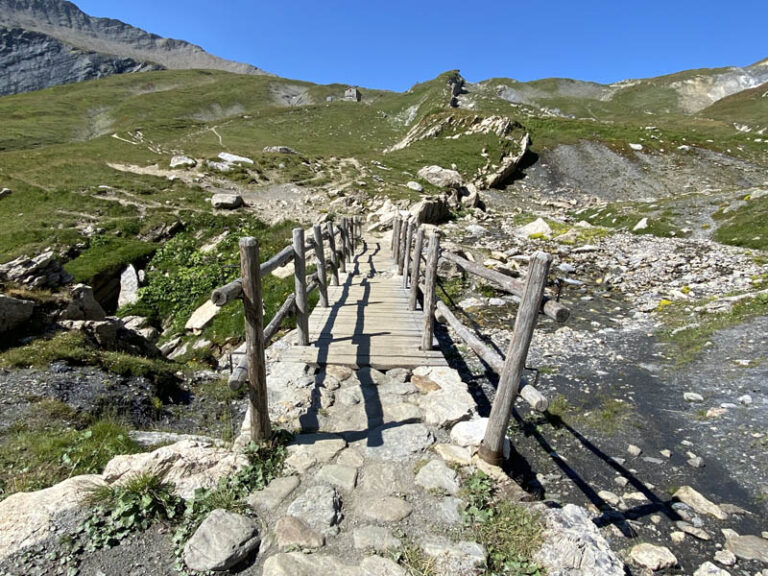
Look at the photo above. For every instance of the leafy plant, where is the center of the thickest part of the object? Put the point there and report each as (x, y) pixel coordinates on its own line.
(509, 532)
(121, 510)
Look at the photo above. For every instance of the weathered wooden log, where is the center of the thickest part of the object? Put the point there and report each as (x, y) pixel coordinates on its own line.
(413, 295)
(300, 287)
(234, 289)
(396, 238)
(443, 314)
(491, 448)
(550, 308)
(407, 258)
(334, 256)
(401, 251)
(320, 261)
(429, 296)
(254, 338)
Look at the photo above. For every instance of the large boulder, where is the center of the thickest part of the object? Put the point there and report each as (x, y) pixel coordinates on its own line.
(14, 312)
(30, 518)
(188, 465)
(227, 201)
(441, 177)
(431, 210)
(183, 162)
(83, 306)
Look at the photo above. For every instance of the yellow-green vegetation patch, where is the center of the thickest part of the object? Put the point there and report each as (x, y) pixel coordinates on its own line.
(689, 331)
(107, 256)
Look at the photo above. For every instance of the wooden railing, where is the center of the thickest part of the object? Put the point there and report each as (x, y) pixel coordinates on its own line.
(252, 366)
(409, 244)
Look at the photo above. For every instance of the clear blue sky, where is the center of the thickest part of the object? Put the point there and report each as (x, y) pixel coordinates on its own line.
(397, 43)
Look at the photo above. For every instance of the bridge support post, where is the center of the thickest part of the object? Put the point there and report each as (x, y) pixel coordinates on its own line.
(430, 281)
(492, 447)
(334, 256)
(401, 242)
(413, 296)
(254, 338)
(396, 238)
(300, 284)
(407, 258)
(322, 279)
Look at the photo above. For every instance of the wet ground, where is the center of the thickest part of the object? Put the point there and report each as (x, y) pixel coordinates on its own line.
(611, 385)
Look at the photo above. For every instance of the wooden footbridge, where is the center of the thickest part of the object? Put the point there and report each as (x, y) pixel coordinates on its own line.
(379, 311)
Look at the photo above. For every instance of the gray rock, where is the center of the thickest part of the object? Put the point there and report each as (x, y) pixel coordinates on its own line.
(461, 558)
(573, 545)
(291, 531)
(709, 569)
(320, 507)
(222, 541)
(378, 566)
(83, 305)
(536, 228)
(397, 442)
(748, 547)
(386, 509)
(14, 312)
(5, 192)
(698, 533)
(183, 162)
(129, 287)
(415, 186)
(42, 271)
(344, 477)
(374, 538)
(431, 210)
(699, 503)
(300, 564)
(399, 375)
(454, 454)
(652, 557)
(725, 557)
(226, 201)
(693, 397)
(234, 158)
(435, 475)
(279, 150)
(445, 408)
(441, 177)
(274, 494)
(308, 450)
(384, 477)
(449, 510)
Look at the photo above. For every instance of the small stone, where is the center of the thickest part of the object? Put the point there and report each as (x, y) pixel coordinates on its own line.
(693, 397)
(666, 453)
(398, 375)
(449, 510)
(424, 384)
(454, 454)
(374, 538)
(677, 537)
(387, 509)
(709, 569)
(641, 225)
(344, 477)
(378, 566)
(652, 557)
(435, 475)
(457, 558)
(746, 399)
(182, 162)
(538, 227)
(609, 497)
(226, 201)
(699, 503)
(725, 557)
(698, 533)
(222, 541)
(634, 450)
(621, 481)
(415, 186)
(696, 462)
(748, 547)
(320, 507)
(350, 457)
(273, 495)
(291, 531)
(341, 373)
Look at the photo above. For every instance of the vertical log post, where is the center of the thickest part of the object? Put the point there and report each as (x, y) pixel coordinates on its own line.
(401, 253)
(396, 238)
(415, 267)
(492, 448)
(322, 281)
(254, 338)
(351, 238)
(340, 252)
(407, 259)
(334, 256)
(433, 254)
(300, 283)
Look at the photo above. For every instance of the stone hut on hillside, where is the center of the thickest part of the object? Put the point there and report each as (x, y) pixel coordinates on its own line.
(353, 94)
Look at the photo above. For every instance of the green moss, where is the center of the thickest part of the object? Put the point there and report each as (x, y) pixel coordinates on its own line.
(107, 256)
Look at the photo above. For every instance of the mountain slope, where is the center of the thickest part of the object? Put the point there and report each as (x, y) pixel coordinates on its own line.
(48, 42)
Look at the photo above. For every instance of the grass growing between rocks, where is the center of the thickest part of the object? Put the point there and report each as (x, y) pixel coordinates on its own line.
(107, 256)
(510, 533)
(689, 331)
(51, 446)
(746, 226)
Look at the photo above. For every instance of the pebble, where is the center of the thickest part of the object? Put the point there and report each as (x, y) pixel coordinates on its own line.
(634, 450)
(652, 557)
(693, 397)
(725, 557)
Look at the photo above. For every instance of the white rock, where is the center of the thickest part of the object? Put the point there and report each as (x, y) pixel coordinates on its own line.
(537, 227)
(641, 225)
(699, 503)
(415, 186)
(636, 147)
(226, 201)
(201, 317)
(129, 287)
(441, 177)
(183, 162)
(709, 569)
(234, 158)
(222, 541)
(693, 397)
(435, 475)
(652, 557)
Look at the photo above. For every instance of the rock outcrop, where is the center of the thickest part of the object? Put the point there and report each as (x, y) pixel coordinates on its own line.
(42, 271)
(14, 312)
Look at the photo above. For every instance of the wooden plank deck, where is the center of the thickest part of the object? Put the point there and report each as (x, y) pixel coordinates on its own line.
(367, 322)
